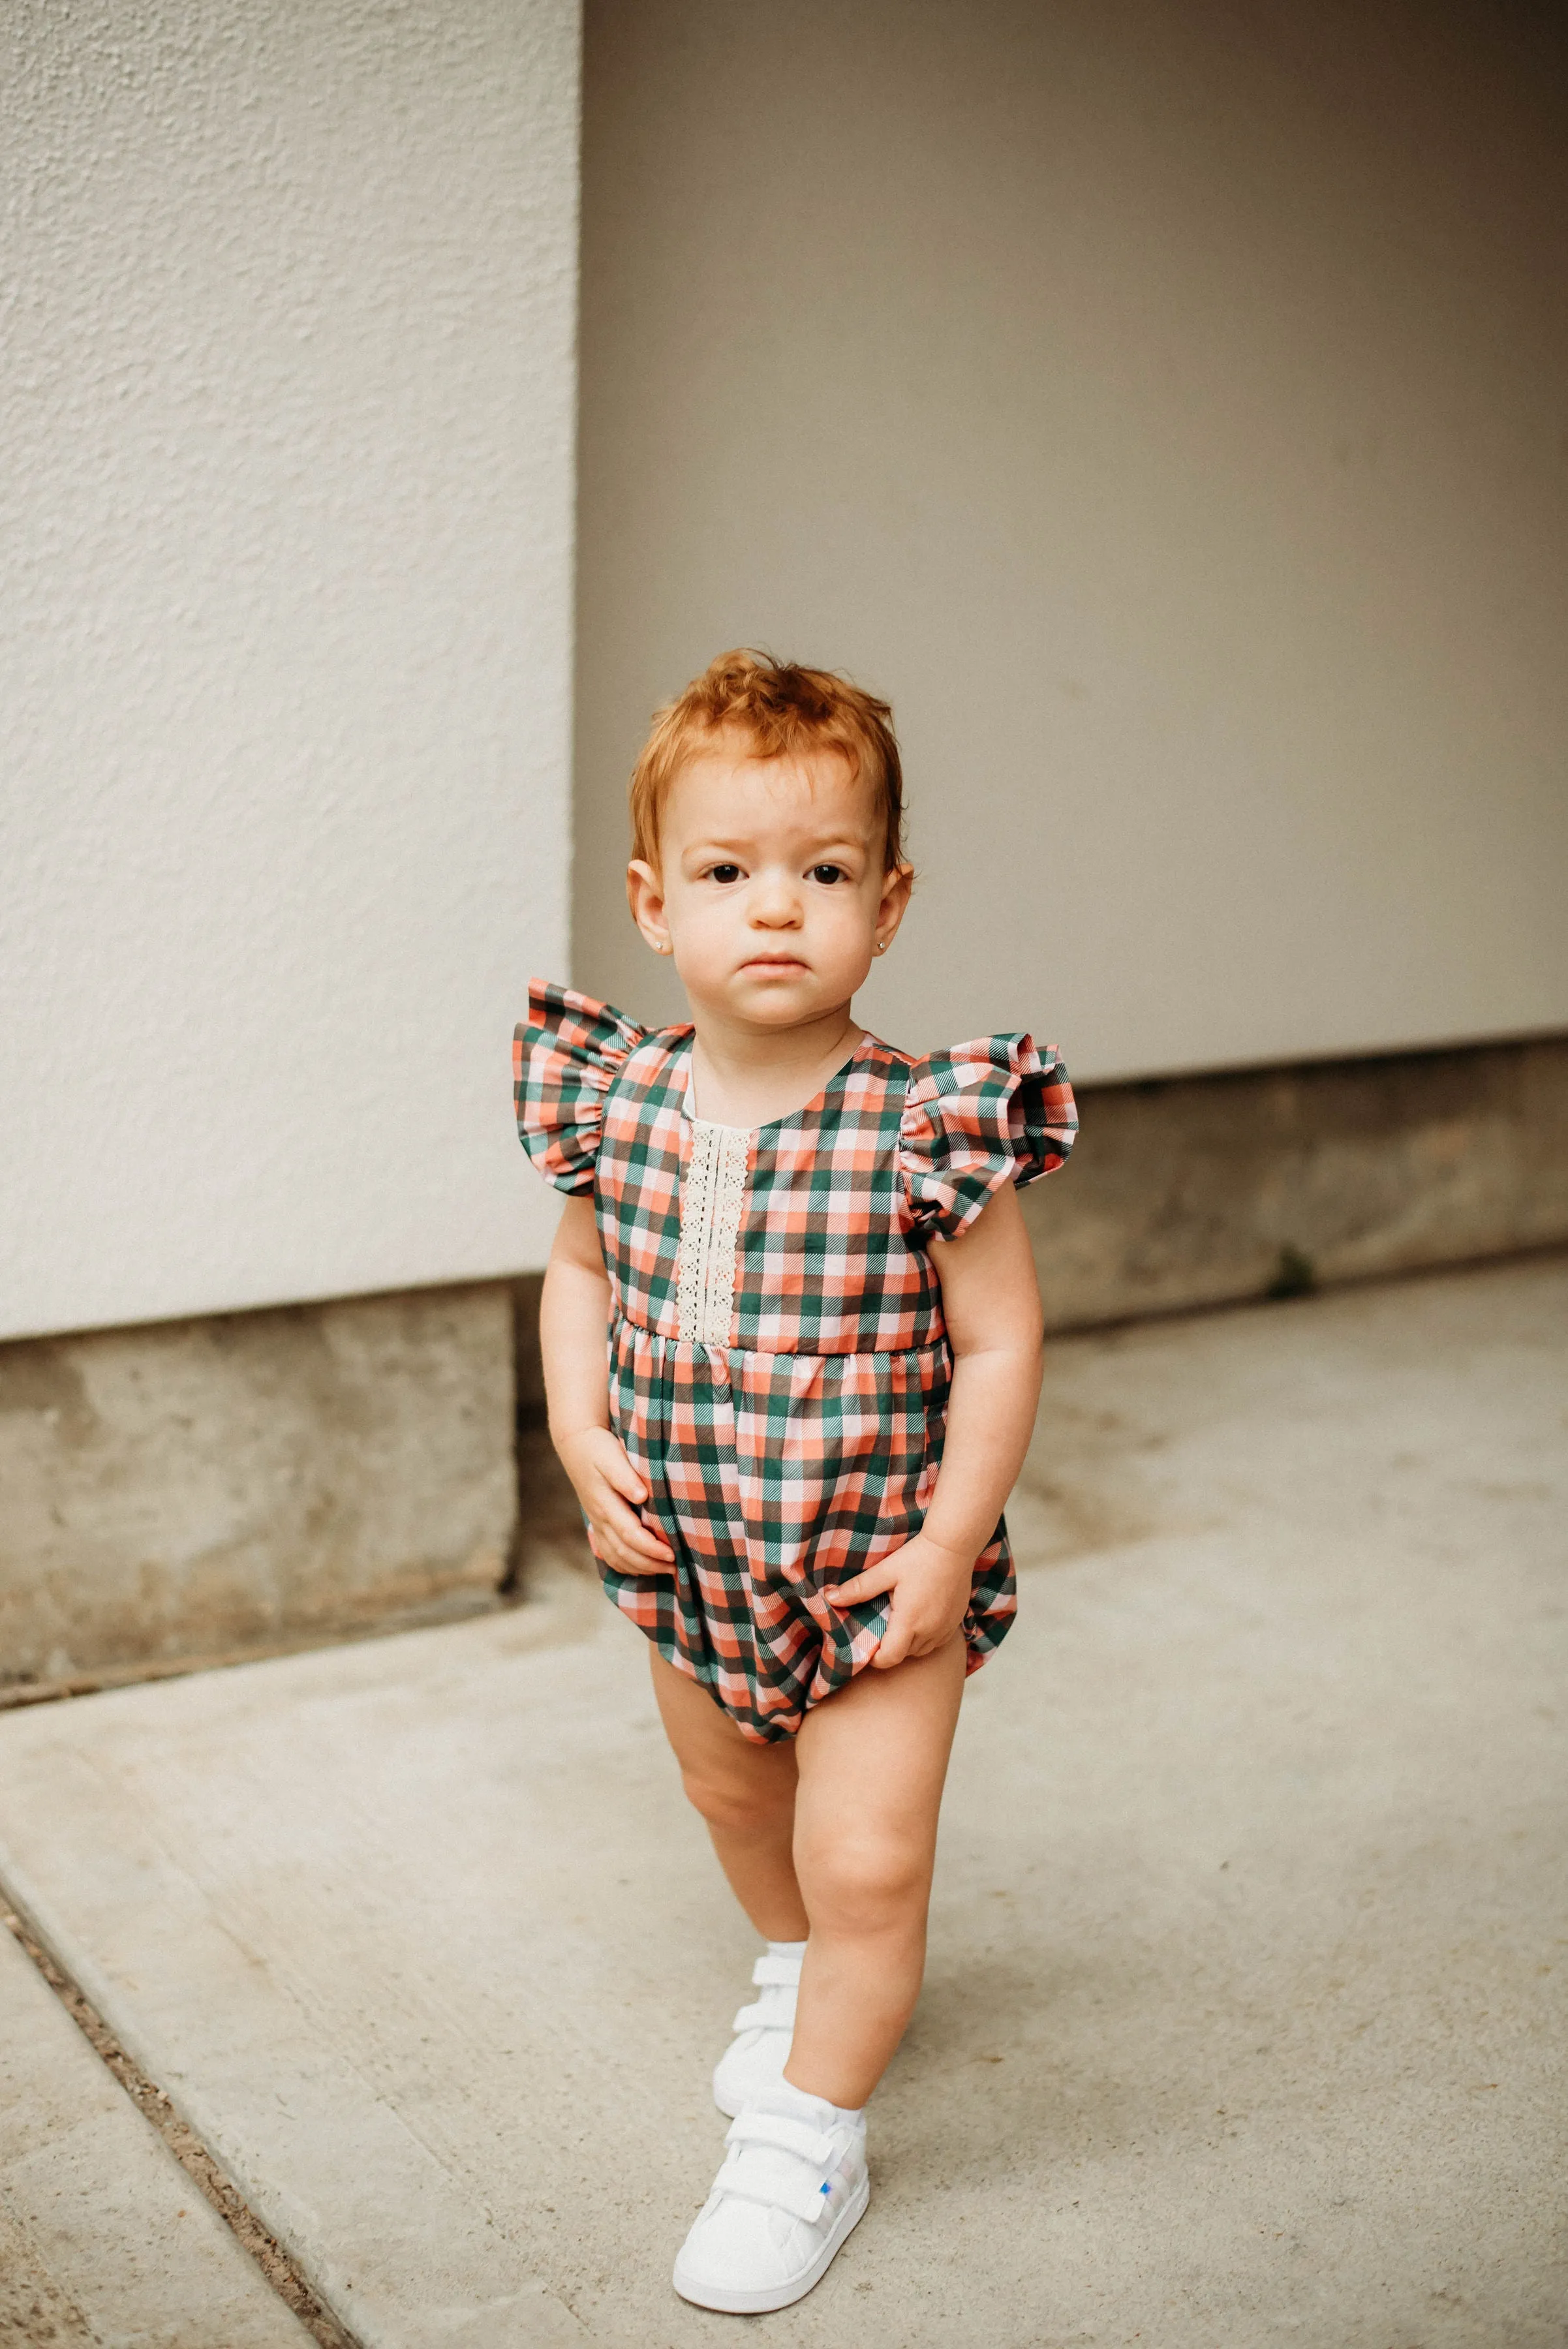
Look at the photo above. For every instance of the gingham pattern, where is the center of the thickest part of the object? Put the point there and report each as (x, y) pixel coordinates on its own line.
(808, 1447)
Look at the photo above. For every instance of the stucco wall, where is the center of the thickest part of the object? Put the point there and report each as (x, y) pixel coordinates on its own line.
(1163, 404)
(287, 412)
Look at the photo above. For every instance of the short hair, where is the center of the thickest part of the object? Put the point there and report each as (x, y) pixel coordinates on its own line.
(781, 709)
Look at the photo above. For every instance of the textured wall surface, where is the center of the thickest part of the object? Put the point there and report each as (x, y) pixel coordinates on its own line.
(287, 409)
(1164, 405)
(210, 1485)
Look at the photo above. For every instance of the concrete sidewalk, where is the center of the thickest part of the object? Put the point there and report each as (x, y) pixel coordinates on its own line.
(1245, 1990)
(103, 2238)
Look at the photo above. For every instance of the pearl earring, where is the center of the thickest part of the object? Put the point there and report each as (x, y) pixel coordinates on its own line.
(881, 946)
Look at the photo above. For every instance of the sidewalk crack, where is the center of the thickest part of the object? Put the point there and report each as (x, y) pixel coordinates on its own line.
(154, 2105)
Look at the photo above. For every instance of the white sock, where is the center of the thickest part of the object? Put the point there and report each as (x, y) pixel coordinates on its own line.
(854, 2116)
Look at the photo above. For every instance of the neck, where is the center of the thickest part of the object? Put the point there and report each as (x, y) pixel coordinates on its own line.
(749, 1076)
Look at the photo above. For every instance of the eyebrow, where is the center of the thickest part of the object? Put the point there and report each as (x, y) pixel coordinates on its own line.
(831, 843)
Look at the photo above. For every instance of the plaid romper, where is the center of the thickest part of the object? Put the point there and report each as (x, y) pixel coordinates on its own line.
(778, 1362)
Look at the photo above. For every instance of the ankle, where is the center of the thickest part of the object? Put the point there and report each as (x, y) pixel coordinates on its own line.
(852, 2115)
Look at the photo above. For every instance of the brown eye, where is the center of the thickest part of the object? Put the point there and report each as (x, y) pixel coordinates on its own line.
(724, 872)
(827, 874)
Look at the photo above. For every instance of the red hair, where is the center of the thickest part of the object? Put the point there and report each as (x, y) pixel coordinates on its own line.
(779, 708)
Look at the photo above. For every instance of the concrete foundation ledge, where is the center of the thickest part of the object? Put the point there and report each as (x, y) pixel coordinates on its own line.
(1197, 1191)
(186, 1493)
(193, 1489)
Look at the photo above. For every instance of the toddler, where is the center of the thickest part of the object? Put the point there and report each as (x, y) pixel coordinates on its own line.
(792, 1348)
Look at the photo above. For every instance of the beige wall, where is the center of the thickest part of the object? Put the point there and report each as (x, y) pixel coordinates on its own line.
(1164, 404)
(286, 417)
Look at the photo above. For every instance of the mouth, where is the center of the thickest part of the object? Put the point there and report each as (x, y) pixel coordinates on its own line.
(773, 965)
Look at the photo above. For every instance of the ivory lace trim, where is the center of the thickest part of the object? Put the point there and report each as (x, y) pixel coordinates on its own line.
(712, 1195)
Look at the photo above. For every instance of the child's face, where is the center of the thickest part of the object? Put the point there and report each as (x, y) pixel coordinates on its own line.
(772, 897)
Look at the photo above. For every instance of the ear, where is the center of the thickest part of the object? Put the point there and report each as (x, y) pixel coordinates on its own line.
(645, 896)
(893, 904)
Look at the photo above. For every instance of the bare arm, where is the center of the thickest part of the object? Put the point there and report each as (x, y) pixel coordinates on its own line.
(574, 1318)
(991, 1301)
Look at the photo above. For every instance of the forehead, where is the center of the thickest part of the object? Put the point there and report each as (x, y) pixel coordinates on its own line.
(728, 790)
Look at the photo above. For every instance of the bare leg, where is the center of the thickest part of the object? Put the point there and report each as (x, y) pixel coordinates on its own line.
(871, 1761)
(745, 1792)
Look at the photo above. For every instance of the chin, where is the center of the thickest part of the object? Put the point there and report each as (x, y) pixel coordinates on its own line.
(776, 990)
(778, 999)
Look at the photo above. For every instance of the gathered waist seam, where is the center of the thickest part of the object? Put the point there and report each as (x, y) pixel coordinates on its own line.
(937, 1344)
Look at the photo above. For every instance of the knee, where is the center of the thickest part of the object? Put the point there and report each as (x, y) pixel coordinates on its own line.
(864, 1884)
(738, 1804)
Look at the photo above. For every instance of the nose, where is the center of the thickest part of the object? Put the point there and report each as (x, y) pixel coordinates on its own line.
(775, 903)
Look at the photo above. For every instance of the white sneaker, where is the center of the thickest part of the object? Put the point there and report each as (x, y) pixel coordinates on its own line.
(754, 2060)
(792, 2187)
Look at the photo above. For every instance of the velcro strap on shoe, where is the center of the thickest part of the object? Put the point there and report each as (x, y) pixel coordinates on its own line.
(776, 2129)
(766, 2014)
(800, 2197)
(777, 1973)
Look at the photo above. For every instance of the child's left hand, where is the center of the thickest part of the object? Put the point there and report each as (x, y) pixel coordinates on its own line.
(931, 1588)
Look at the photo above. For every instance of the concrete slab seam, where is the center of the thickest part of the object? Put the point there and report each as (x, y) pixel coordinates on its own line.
(20, 1696)
(155, 2107)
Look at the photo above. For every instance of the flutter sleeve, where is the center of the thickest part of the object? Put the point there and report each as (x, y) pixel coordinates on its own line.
(981, 1115)
(565, 1057)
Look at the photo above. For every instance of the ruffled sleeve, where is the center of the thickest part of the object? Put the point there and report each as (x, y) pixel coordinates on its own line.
(565, 1057)
(974, 1118)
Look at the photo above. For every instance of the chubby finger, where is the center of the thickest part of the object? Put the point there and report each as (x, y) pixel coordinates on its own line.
(618, 1552)
(625, 1526)
(870, 1584)
(897, 1642)
(625, 1561)
(649, 1544)
(622, 1477)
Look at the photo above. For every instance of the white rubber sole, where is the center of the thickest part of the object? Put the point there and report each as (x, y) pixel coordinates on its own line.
(735, 2302)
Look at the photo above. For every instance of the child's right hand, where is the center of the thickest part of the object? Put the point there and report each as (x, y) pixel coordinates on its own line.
(612, 1492)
